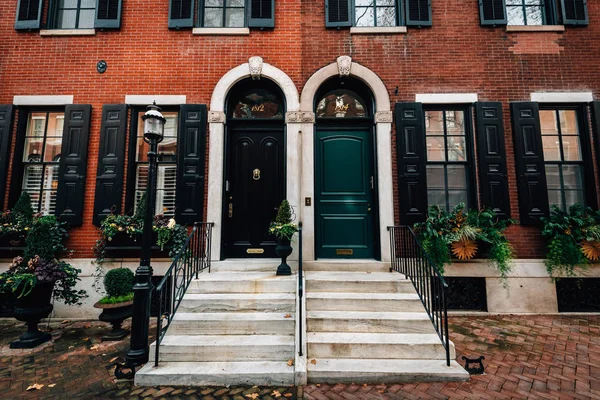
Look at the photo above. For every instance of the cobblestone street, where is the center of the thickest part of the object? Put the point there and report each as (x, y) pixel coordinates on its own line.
(536, 357)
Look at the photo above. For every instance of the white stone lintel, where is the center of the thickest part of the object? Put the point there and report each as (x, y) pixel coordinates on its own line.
(220, 31)
(299, 117)
(562, 97)
(67, 32)
(161, 99)
(445, 98)
(372, 30)
(59, 100)
(216, 117)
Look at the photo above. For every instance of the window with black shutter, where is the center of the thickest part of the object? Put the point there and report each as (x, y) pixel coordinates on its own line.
(261, 14)
(181, 14)
(6, 116)
(377, 13)
(29, 14)
(533, 12)
(108, 14)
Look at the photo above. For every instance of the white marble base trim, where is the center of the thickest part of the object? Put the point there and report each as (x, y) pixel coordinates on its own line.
(372, 30)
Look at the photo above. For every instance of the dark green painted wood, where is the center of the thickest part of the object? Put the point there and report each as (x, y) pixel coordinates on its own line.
(343, 194)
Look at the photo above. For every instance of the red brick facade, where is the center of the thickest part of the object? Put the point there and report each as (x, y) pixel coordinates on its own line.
(455, 55)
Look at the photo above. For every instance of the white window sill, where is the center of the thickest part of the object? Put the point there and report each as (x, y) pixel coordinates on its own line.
(371, 30)
(535, 28)
(221, 31)
(67, 32)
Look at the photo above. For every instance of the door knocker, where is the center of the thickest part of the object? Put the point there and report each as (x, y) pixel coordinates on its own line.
(256, 174)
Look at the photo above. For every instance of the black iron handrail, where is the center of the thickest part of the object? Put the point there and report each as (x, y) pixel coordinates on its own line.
(409, 258)
(300, 288)
(193, 257)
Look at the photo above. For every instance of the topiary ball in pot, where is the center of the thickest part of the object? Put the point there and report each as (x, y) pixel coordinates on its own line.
(118, 304)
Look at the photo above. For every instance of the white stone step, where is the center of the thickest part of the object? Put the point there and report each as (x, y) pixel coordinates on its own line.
(249, 265)
(354, 282)
(232, 323)
(243, 282)
(368, 322)
(206, 348)
(252, 302)
(376, 345)
(383, 371)
(346, 265)
(380, 302)
(268, 373)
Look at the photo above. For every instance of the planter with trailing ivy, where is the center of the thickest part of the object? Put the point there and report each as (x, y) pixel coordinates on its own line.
(284, 229)
(573, 239)
(117, 305)
(463, 235)
(15, 224)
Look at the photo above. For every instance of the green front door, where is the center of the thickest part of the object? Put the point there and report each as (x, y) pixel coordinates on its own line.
(344, 194)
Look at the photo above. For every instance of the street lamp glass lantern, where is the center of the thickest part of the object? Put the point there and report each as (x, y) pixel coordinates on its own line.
(154, 123)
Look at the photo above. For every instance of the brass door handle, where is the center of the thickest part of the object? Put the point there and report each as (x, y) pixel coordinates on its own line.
(368, 207)
(230, 210)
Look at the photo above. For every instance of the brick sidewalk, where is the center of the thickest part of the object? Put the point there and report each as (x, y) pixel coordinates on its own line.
(537, 357)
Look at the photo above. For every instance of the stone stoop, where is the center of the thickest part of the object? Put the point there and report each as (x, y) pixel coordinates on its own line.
(371, 327)
(232, 328)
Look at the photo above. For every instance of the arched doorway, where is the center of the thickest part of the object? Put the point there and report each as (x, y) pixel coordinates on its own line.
(254, 178)
(346, 204)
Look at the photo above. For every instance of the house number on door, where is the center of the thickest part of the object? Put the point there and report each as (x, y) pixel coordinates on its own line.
(256, 174)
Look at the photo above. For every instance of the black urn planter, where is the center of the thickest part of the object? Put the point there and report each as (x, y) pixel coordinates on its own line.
(31, 309)
(283, 250)
(115, 314)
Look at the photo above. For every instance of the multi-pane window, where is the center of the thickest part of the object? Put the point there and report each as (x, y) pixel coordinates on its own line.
(375, 13)
(75, 14)
(562, 157)
(41, 156)
(223, 13)
(525, 12)
(447, 159)
(167, 165)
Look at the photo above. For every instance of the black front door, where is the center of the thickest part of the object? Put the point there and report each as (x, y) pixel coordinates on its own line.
(254, 188)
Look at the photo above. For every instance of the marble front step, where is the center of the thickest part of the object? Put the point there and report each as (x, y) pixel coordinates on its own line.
(339, 301)
(383, 371)
(346, 265)
(233, 323)
(205, 348)
(355, 282)
(368, 322)
(267, 373)
(243, 282)
(376, 345)
(251, 302)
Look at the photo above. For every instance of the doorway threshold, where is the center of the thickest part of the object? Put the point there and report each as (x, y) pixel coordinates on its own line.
(250, 265)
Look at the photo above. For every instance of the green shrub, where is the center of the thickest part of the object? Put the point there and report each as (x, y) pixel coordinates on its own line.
(118, 282)
(284, 214)
(22, 212)
(45, 239)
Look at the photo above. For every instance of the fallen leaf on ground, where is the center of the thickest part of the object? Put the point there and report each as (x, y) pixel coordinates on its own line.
(52, 385)
(287, 395)
(252, 396)
(381, 391)
(87, 326)
(35, 386)
(276, 394)
(66, 321)
(71, 347)
(364, 385)
(290, 362)
(313, 361)
(287, 316)
(94, 347)
(113, 359)
(318, 385)
(85, 339)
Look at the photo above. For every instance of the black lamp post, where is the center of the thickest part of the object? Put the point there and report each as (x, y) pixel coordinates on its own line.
(154, 125)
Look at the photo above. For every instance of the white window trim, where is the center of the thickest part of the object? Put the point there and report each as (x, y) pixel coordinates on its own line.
(162, 100)
(562, 97)
(68, 32)
(446, 98)
(371, 30)
(221, 31)
(59, 100)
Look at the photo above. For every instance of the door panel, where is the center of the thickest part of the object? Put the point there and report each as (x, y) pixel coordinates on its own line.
(344, 198)
(255, 189)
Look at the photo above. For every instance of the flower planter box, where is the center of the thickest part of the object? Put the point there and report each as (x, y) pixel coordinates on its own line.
(13, 241)
(124, 245)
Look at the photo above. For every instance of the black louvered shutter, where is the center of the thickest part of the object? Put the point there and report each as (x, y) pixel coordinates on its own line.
(73, 163)
(418, 12)
(491, 153)
(261, 14)
(492, 12)
(338, 13)
(529, 159)
(111, 161)
(574, 12)
(181, 14)
(29, 14)
(411, 155)
(595, 107)
(6, 114)
(108, 14)
(189, 204)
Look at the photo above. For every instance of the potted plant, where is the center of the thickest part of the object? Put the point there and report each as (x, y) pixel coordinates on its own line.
(117, 305)
(463, 234)
(283, 228)
(37, 276)
(573, 239)
(15, 223)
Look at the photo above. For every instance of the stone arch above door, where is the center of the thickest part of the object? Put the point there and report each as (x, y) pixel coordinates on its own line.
(255, 68)
(383, 120)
